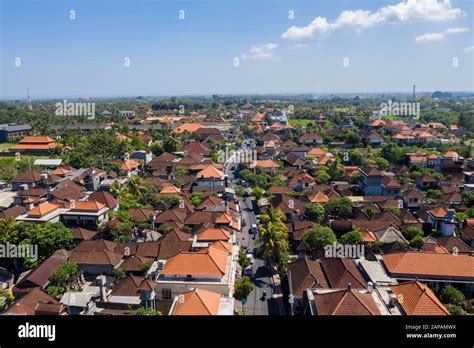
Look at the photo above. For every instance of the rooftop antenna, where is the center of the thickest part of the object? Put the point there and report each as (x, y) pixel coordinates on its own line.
(30, 107)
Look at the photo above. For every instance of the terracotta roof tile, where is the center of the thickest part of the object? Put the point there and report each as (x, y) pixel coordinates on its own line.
(417, 299)
(430, 265)
(197, 302)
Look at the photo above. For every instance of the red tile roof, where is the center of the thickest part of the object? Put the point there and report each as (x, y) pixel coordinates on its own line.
(417, 299)
(430, 265)
(197, 302)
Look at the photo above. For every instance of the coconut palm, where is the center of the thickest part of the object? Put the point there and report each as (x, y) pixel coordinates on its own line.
(172, 142)
(273, 241)
(136, 188)
(118, 190)
(273, 214)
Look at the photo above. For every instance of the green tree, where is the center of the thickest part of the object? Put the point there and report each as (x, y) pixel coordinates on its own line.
(336, 170)
(180, 171)
(120, 273)
(196, 198)
(393, 153)
(452, 295)
(243, 259)
(273, 241)
(258, 192)
(136, 188)
(340, 207)
(64, 275)
(319, 236)
(412, 232)
(382, 163)
(49, 237)
(322, 177)
(315, 212)
(53, 291)
(172, 143)
(352, 237)
(243, 287)
(468, 198)
(142, 311)
(9, 231)
(417, 242)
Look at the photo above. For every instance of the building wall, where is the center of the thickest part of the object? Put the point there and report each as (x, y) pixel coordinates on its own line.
(178, 288)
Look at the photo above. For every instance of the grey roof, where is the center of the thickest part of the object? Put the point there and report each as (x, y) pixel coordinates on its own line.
(15, 127)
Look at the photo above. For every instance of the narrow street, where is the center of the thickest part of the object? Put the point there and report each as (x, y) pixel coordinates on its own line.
(256, 304)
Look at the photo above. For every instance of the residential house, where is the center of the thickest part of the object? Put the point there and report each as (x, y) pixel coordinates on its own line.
(311, 139)
(370, 180)
(86, 213)
(211, 269)
(342, 302)
(210, 179)
(434, 269)
(26, 180)
(202, 302)
(442, 220)
(449, 162)
(416, 298)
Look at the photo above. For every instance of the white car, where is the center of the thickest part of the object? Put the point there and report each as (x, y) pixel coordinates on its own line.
(251, 259)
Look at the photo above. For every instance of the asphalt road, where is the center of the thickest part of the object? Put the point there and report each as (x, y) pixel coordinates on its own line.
(256, 303)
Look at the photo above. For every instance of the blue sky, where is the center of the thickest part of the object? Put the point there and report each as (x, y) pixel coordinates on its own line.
(389, 46)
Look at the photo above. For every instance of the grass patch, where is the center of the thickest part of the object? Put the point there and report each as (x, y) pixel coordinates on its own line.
(301, 121)
(5, 146)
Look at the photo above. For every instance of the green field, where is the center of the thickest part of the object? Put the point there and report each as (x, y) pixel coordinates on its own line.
(5, 146)
(301, 121)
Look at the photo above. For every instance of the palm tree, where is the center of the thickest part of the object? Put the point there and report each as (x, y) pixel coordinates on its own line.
(273, 241)
(172, 143)
(273, 214)
(136, 188)
(117, 189)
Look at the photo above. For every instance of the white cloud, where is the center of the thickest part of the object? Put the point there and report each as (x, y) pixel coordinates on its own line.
(298, 45)
(456, 30)
(405, 11)
(469, 49)
(319, 25)
(429, 37)
(263, 52)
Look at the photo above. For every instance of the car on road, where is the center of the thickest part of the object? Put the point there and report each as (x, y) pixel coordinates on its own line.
(251, 259)
(248, 271)
(253, 229)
